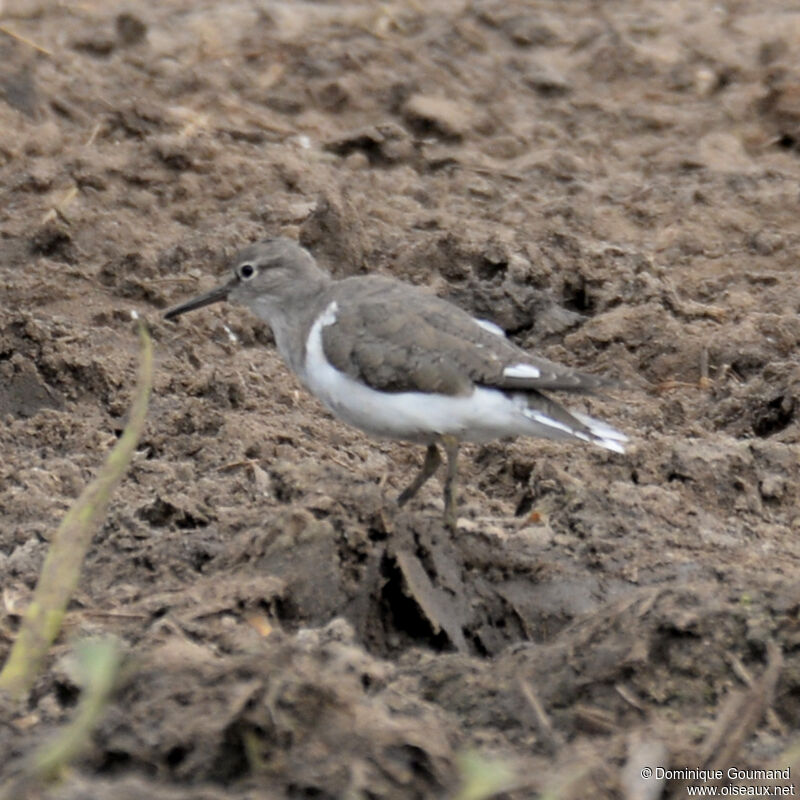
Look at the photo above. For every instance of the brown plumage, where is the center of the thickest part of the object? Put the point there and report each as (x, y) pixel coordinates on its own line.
(397, 361)
(397, 338)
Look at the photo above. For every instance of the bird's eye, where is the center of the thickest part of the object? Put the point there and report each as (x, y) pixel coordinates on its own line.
(246, 271)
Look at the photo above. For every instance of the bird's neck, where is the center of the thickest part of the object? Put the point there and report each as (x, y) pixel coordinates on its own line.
(291, 316)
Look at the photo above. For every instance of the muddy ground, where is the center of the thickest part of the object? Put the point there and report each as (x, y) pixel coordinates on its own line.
(615, 184)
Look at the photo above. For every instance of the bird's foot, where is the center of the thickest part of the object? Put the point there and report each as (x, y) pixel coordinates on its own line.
(451, 446)
(429, 467)
(450, 519)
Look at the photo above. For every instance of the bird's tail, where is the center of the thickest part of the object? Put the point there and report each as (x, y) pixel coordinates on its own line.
(568, 424)
(602, 433)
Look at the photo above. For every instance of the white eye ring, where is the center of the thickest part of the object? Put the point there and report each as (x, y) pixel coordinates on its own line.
(246, 271)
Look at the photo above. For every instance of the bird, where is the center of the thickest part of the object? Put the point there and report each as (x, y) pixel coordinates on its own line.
(399, 362)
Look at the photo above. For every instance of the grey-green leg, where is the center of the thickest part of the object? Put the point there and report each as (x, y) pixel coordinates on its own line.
(451, 445)
(429, 466)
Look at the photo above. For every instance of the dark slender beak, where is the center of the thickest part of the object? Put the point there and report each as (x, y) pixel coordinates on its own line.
(214, 296)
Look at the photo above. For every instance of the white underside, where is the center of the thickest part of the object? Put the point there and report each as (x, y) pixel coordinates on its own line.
(423, 417)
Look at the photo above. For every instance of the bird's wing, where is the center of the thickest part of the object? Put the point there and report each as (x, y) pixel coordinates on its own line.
(398, 338)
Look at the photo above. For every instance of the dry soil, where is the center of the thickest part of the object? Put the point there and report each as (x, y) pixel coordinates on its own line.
(613, 183)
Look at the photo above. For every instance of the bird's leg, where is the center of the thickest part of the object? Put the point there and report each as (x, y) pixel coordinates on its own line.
(451, 445)
(429, 466)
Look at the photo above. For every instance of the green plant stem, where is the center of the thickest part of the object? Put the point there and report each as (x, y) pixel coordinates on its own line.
(100, 663)
(62, 565)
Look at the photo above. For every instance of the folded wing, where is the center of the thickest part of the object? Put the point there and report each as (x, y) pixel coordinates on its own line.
(396, 338)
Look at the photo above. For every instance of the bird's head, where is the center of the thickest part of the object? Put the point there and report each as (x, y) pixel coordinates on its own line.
(267, 272)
